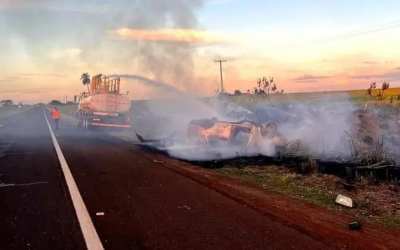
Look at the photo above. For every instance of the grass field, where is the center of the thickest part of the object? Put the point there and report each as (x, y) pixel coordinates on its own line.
(376, 203)
(391, 97)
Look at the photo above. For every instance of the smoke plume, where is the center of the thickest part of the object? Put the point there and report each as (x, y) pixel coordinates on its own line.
(166, 88)
(321, 126)
(42, 34)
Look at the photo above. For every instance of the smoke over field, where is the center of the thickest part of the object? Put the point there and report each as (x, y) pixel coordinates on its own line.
(319, 129)
(322, 127)
(153, 38)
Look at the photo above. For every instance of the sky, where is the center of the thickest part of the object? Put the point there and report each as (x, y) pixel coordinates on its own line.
(306, 45)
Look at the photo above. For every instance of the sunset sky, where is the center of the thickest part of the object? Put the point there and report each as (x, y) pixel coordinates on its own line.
(307, 45)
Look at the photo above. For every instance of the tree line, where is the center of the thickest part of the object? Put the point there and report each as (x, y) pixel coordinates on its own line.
(264, 86)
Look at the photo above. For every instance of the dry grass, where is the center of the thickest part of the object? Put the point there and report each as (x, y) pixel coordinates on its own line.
(379, 203)
(357, 96)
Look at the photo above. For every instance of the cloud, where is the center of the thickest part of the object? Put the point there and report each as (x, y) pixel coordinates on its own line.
(310, 78)
(74, 35)
(29, 76)
(55, 75)
(188, 36)
(370, 62)
(27, 90)
(68, 53)
(393, 75)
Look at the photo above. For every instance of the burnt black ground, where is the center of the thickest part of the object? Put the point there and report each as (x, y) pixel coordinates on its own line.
(146, 205)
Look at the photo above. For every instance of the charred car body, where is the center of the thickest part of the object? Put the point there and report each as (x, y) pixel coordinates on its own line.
(245, 133)
(232, 138)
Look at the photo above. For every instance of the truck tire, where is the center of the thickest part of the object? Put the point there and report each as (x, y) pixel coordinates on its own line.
(81, 120)
(85, 123)
(80, 123)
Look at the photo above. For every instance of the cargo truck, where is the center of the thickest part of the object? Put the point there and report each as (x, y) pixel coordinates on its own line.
(103, 105)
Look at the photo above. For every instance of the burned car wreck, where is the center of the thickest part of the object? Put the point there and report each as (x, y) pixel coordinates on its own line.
(228, 139)
(244, 133)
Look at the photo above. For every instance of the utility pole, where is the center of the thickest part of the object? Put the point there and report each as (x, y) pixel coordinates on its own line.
(220, 61)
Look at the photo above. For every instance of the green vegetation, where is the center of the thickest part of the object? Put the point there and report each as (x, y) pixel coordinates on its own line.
(391, 222)
(321, 190)
(273, 178)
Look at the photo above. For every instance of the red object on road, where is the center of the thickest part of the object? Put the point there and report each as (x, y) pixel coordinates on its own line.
(55, 114)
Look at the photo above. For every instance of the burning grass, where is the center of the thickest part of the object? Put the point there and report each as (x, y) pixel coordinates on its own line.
(378, 203)
(331, 128)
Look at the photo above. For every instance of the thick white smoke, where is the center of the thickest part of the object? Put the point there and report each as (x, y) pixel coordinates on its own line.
(321, 127)
(78, 36)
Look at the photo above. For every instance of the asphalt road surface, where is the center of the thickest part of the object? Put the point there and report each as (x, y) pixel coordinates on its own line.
(142, 204)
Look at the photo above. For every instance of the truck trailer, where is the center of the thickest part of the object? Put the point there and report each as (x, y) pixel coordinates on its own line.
(103, 105)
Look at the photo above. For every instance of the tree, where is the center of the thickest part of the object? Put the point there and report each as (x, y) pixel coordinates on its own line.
(266, 86)
(385, 86)
(256, 91)
(237, 92)
(381, 92)
(85, 78)
(259, 81)
(7, 102)
(372, 86)
(274, 88)
(55, 102)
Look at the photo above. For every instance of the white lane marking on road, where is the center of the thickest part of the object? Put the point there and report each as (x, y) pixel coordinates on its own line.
(90, 235)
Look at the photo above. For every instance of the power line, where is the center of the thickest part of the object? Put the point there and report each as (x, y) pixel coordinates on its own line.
(355, 33)
(369, 31)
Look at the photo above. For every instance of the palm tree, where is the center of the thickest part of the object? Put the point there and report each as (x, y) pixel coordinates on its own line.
(85, 78)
